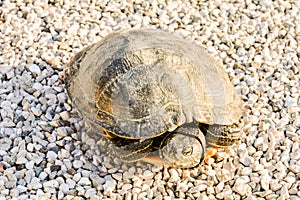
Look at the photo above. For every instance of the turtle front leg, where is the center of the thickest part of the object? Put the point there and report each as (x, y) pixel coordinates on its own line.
(128, 150)
(220, 135)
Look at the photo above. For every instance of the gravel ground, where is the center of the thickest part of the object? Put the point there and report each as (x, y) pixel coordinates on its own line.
(42, 156)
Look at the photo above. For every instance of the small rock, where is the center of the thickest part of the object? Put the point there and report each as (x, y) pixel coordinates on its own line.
(22, 188)
(242, 180)
(257, 167)
(242, 189)
(36, 111)
(30, 164)
(77, 164)
(297, 122)
(30, 147)
(10, 74)
(109, 186)
(62, 131)
(77, 177)
(4, 69)
(64, 187)
(53, 79)
(182, 186)
(117, 176)
(247, 160)
(10, 175)
(43, 175)
(90, 193)
(21, 160)
(36, 158)
(51, 155)
(65, 115)
(147, 175)
(174, 176)
(219, 187)
(8, 123)
(295, 168)
(5, 192)
(142, 195)
(84, 181)
(71, 183)
(85, 173)
(37, 86)
(61, 97)
(3, 91)
(33, 68)
(284, 193)
(1, 167)
(275, 185)
(198, 188)
(35, 184)
(60, 195)
(49, 95)
(246, 171)
(126, 187)
(51, 184)
(128, 175)
(265, 181)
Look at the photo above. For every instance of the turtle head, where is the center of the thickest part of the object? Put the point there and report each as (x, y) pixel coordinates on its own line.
(184, 147)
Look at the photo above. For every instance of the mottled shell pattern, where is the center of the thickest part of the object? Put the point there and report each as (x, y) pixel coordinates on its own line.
(142, 83)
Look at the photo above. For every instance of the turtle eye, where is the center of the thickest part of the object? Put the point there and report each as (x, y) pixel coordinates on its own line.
(187, 151)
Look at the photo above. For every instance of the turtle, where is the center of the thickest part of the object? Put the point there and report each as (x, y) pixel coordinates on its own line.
(156, 96)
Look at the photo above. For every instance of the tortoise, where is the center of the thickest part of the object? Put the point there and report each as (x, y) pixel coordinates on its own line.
(155, 96)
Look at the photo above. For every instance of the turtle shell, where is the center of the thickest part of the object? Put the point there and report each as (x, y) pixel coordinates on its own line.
(139, 84)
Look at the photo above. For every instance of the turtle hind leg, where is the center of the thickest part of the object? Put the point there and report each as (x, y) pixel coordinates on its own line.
(220, 135)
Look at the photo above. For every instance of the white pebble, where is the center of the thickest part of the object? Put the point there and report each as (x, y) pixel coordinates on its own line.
(51, 155)
(284, 192)
(109, 186)
(51, 184)
(34, 69)
(30, 164)
(174, 177)
(4, 69)
(21, 160)
(77, 164)
(36, 111)
(71, 183)
(64, 187)
(65, 115)
(43, 175)
(35, 184)
(265, 181)
(84, 181)
(90, 193)
(97, 180)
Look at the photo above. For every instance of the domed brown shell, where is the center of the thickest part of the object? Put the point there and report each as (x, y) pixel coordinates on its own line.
(142, 83)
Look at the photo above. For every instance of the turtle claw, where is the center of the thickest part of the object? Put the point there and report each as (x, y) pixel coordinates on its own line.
(209, 153)
(155, 160)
